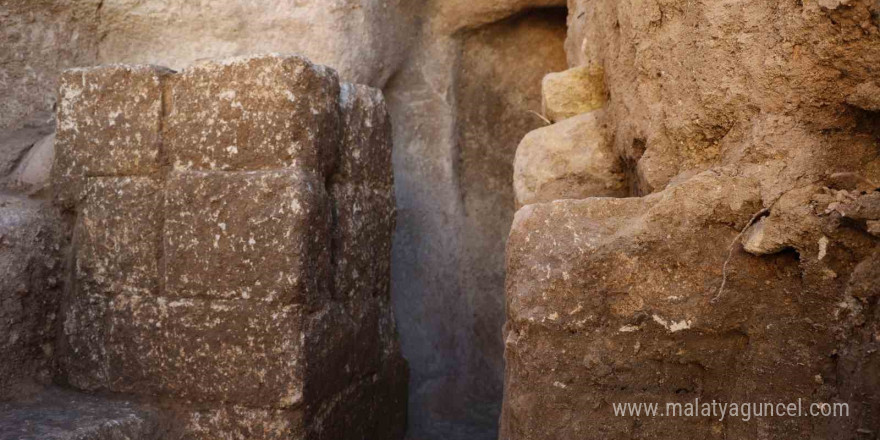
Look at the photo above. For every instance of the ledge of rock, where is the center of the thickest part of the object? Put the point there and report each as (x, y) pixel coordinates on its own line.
(57, 414)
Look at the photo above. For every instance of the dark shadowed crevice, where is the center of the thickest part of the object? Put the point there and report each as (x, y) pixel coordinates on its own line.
(498, 97)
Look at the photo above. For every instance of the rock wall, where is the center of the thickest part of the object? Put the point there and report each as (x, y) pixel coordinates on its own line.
(742, 274)
(31, 246)
(231, 247)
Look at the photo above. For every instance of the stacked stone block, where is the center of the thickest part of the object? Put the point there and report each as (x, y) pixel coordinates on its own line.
(231, 247)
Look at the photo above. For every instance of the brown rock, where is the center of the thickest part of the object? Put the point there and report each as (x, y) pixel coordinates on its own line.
(108, 125)
(617, 300)
(117, 236)
(366, 134)
(253, 113)
(207, 286)
(866, 96)
(32, 239)
(261, 235)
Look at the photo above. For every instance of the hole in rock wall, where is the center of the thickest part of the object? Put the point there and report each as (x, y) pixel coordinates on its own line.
(455, 141)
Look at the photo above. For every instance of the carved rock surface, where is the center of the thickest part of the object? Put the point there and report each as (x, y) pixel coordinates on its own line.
(240, 270)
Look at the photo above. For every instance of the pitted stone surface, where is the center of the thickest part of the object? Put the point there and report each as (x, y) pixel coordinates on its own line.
(208, 279)
(117, 236)
(260, 235)
(109, 119)
(253, 113)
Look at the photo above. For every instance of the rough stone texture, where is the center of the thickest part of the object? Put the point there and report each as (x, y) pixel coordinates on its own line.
(451, 16)
(207, 281)
(30, 262)
(57, 414)
(630, 311)
(273, 225)
(365, 40)
(688, 102)
(253, 113)
(109, 121)
(40, 38)
(745, 273)
(866, 96)
(571, 159)
(383, 43)
(572, 92)
(34, 171)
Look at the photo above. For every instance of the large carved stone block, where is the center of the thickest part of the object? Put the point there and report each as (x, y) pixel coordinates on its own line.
(260, 235)
(253, 113)
(206, 281)
(117, 236)
(109, 122)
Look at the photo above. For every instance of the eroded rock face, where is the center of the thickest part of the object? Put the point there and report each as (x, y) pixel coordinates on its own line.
(218, 259)
(364, 40)
(745, 274)
(31, 244)
(619, 300)
(571, 159)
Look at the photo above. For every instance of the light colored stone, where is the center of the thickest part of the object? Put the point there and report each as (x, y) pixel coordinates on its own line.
(866, 96)
(571, 159)
(365, 40)
(572, 92)
(274, 226)
(35, 170)
(108, 125)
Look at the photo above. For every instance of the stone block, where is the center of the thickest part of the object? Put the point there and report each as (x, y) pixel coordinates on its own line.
(255, 113)
(260, 235)
(83, 347)
(109, 121)
(365, 157)
(117, 236)
(571, 159)
(245, 352)
(572, 92)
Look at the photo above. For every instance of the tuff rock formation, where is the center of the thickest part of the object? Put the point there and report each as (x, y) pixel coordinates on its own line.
(745, 272)
(230, 259)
